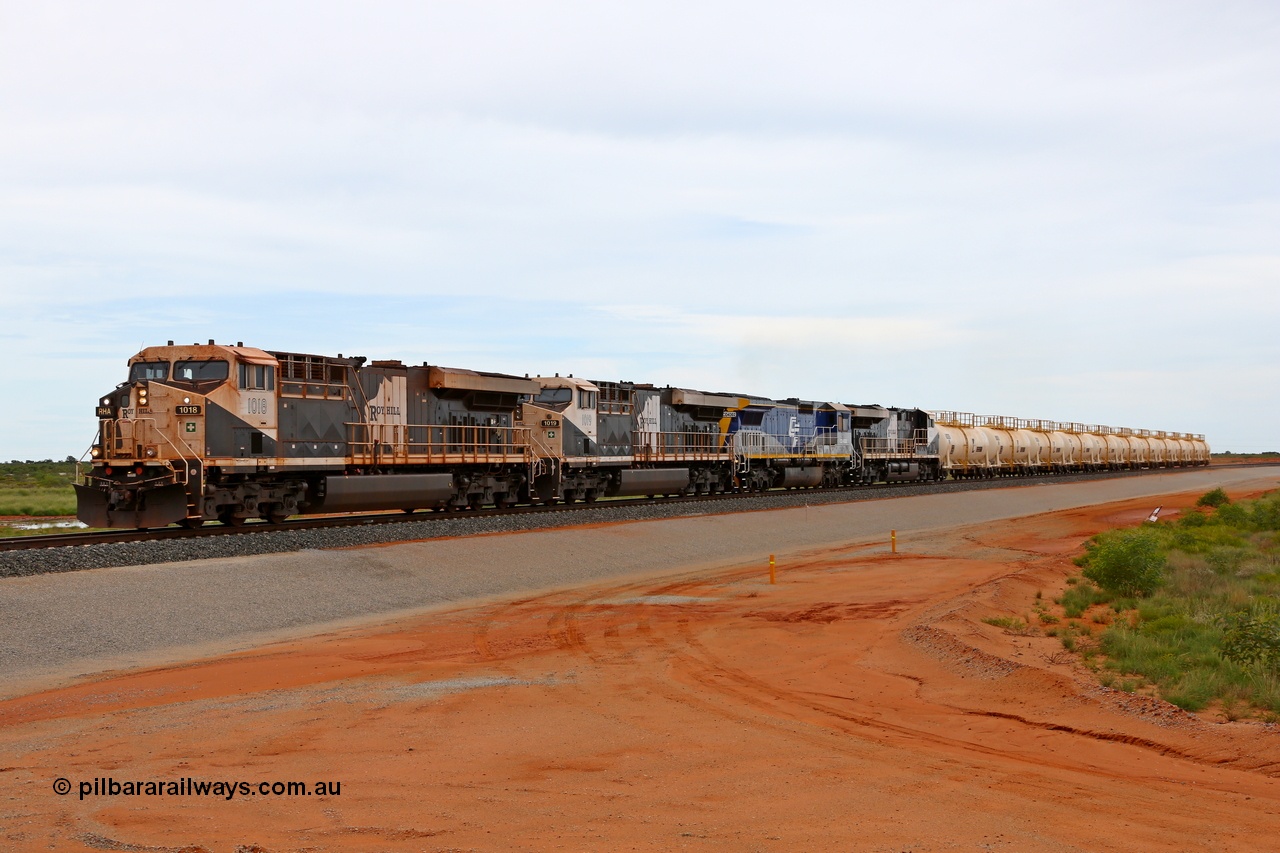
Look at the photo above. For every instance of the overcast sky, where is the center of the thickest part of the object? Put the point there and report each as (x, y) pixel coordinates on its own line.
(1066, 211)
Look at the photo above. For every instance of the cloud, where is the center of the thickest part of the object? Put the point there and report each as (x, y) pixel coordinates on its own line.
(966, 207)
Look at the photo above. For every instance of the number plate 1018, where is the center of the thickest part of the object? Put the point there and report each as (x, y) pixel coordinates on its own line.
(186, 410)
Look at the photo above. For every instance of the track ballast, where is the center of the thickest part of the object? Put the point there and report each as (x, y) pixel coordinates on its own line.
(78, 551)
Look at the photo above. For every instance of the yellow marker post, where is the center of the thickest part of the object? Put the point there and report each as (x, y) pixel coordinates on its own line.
(773, 577)
(893, 541)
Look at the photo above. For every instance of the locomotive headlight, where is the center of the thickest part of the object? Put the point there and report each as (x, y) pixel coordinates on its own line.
(95, 452)
(186, 399)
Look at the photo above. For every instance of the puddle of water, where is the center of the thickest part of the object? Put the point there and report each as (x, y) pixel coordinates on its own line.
(433, 689)
(428, 689)
(663, 599)
(47, 525)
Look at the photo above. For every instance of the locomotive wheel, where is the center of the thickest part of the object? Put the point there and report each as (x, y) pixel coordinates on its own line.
(191, 523)
(279, 517)
(501, 501)
(231, 520)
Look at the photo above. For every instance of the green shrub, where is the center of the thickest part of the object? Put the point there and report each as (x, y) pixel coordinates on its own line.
(1193, 519)
(1225, 560)
(1126, 562)
(1080, 597)
(1266, 514)
(1231, 515)
(1253, 640)
(1216, 498)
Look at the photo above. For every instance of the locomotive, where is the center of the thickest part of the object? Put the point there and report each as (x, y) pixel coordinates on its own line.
(231, 433)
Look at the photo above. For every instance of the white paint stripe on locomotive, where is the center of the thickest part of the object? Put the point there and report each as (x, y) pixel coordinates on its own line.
(253, 463)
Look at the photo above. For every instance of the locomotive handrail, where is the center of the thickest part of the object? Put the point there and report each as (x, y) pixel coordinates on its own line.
(878, 447)
(375, 444)
(180, 475)
(654, 446)
(673, 446)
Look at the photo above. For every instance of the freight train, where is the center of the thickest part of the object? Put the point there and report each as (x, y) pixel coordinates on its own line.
(233, 433)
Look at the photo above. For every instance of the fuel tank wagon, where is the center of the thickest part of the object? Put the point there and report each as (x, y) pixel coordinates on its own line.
(206, 432)
(1032, 446)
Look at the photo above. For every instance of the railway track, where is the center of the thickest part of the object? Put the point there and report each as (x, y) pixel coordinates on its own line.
(61, 540)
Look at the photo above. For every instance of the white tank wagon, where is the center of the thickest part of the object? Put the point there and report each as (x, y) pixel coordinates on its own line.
(1187, 451)
(972, 446)
(1117, 449)
(1000, 431)
(1039, 449)
(1141, 450)
(1059, 450)
(965, 449)
(953, 449)
(1093, 449)
(1157, 449)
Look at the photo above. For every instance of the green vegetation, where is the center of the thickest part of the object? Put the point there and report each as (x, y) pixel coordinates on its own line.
(1125, 563)
(1011, 625)
(1215, 499)
(1266, 454)
(37, 488)
(1191, 607)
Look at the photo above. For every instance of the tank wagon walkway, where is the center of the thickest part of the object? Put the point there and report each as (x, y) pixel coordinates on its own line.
(60, 626)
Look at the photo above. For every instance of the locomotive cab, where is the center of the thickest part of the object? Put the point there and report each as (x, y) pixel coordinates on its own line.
(571, 404)
(181, 407)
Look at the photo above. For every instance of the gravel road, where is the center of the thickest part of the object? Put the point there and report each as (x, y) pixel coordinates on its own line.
(57, 626)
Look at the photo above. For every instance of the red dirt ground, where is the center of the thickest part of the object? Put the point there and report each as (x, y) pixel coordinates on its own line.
(859, 704)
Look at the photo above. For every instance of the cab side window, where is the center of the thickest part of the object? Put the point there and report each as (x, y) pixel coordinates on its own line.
(257, 377)
(158, 370)
(586, 399)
